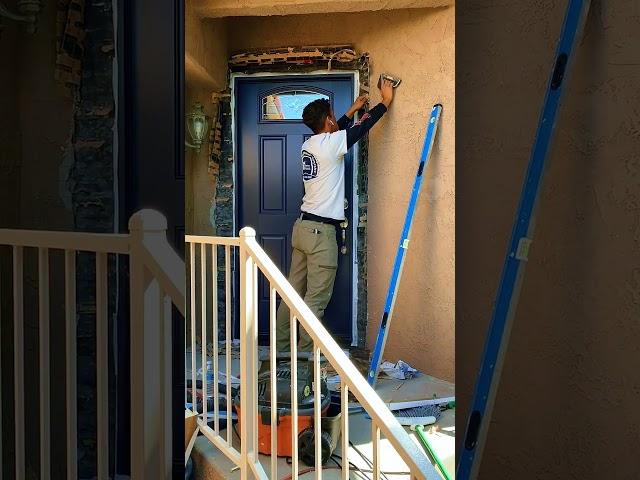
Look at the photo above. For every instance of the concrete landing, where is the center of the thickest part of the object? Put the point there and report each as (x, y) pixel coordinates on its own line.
(211, 464)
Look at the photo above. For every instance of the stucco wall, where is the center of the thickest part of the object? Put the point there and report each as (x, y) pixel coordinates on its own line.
(206, 72)
(200, 192)
(417, 45)
(567, 406)
(205, 51)
(228, 8)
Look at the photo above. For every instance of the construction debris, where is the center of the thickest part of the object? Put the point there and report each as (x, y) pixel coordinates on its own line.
(70, 35)
(297, 56)
(400, 370)
(415, 392)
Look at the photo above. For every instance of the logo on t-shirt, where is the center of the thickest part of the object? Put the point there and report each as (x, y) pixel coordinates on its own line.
(309, 166)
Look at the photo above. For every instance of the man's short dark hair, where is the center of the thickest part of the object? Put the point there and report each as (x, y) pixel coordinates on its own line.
(315, 113)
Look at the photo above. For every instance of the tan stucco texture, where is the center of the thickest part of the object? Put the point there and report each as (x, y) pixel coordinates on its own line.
(237, 8)
(567, 405)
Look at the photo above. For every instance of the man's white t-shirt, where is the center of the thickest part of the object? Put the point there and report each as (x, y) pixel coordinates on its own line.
(323, 174)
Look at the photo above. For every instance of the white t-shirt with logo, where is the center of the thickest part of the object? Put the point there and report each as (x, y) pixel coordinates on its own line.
(323, 174)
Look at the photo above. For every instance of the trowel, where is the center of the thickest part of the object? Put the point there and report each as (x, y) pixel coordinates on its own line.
(395, 81)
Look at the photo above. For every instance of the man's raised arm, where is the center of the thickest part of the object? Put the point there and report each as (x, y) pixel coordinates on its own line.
(369, 119)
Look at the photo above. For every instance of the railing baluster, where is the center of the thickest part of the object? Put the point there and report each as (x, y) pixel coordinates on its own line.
(227, 301)
(255, 358)
(274, 394)
(203, 332)
(294, 395)
(166, 324)
(344, 396)
(214, 336)
(192, 264)
(18, 361)
(45, 392)
(1, 412)
(102, 364)
(185, 365)
(317, 411)
(70, 362)
(375, 436)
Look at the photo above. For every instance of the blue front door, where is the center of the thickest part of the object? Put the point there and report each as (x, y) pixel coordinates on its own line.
(270, 133)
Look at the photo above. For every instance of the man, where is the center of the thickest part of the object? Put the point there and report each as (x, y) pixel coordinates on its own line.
(314, 260)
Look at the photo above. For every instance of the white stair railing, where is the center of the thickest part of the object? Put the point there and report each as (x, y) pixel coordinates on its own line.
(157, 280)
(252, 258)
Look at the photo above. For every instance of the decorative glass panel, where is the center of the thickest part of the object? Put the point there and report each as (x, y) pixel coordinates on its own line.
(288, 105)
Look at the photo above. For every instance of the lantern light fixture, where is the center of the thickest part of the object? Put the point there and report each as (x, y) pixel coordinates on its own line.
(198, 126)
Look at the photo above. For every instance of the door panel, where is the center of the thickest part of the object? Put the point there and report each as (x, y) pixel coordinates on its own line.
(273, 175)
(269, 176)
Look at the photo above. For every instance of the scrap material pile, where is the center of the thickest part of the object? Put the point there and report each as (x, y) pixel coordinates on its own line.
(297, 56)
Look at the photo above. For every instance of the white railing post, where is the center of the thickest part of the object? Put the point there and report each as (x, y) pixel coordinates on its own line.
(248, 355)
(150, 439)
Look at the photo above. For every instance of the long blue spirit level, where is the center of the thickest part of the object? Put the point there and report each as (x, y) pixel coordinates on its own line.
(513, 270)
(376, 358)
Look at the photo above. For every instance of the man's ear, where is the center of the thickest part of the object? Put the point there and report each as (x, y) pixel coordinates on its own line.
(328, 122)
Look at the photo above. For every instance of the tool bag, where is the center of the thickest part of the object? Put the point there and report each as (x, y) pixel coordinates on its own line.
(284, 406)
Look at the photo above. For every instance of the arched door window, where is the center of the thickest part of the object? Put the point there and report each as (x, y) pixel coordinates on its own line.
(287, 104)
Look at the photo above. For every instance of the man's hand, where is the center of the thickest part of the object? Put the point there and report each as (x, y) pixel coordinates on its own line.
(357, 105)
(386, 90)
(360, 102)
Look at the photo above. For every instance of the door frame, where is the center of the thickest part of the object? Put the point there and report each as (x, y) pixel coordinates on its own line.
(354, 201)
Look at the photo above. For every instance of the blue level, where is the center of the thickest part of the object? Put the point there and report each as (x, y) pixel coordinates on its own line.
(376, 358)
(516, 257)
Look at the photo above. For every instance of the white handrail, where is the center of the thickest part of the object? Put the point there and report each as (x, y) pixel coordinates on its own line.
(368, 398)
(78, 241)
(157, 279)
(231, 241)
(251, 258)
(157, 274)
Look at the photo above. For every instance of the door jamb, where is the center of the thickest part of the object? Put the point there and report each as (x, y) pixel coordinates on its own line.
(354, 188)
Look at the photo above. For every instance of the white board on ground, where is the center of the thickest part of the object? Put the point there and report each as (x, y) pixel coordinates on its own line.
(420, 390)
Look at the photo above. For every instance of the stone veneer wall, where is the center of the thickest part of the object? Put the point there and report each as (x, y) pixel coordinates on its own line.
(90, 183)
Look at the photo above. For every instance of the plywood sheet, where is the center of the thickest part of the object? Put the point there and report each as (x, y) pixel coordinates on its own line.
(421, 390)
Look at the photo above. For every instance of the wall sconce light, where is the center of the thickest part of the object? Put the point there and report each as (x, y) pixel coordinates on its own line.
(29, 11)
(198, 126)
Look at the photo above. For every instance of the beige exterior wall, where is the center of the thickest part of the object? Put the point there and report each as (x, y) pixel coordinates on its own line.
(230, 8)
(205, 72)
(205, 51)
(564, 407)
(418, 45)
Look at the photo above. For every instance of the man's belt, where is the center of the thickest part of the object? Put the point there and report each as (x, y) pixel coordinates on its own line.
(317, 218)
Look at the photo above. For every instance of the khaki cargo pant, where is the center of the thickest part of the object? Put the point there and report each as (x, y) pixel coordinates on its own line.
(314, 263)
